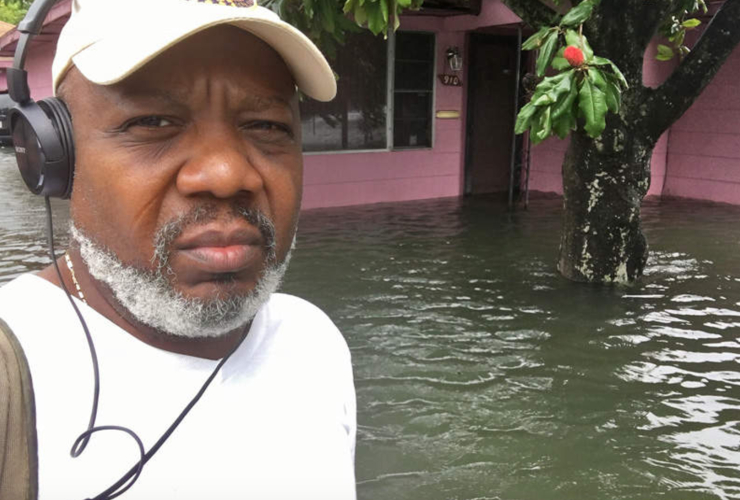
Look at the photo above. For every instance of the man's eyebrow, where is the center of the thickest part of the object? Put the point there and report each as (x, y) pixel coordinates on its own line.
(169, 97)
(261, 103)
(163, 96)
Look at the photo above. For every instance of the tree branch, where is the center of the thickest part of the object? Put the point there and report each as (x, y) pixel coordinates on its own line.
(666, 104)
(533, 12)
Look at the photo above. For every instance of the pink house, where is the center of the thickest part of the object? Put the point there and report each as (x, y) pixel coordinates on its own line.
(402, 130)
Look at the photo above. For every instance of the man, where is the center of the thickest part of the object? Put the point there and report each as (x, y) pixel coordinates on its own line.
(184, 207)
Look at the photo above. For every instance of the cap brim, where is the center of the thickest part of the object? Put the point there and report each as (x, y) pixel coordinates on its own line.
(117, 56)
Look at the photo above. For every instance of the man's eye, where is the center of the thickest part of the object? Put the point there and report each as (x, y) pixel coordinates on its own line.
(150, 122)
(267, 126)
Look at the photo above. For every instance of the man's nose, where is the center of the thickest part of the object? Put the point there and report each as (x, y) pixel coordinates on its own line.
(220, 164)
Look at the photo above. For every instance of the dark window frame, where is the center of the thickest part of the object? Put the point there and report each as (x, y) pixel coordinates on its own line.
(431, 91)
(391, 92)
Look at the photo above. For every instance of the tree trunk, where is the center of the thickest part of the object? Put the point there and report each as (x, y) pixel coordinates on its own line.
(605, 179)
(604, 182)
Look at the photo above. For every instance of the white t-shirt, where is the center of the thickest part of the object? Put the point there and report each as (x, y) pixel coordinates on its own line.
(277, 422)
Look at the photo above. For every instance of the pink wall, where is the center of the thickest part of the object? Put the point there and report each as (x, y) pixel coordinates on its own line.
(546, 166)
(493, 13)
(704, 149)
(41, 53)
(39, 71)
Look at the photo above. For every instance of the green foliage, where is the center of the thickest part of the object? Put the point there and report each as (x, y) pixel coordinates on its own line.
(12, 11)
(675, 26)
(592, 105)
(326, 22)
(321, 20)
(583, 94)
(378, 14)
(579, 14)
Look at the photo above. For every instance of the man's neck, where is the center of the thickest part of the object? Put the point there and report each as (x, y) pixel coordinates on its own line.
(101, 299)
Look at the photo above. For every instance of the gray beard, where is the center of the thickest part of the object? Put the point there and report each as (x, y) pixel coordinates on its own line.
(150, 298)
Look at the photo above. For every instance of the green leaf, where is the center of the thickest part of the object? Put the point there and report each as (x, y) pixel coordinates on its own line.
(551, 88)
(546, 52)
(374, 17)
(541, 125)
(691, 23)
(578, 14)
(545, 124)
(597, 78)
(592, 103)
(327, 14)
(535, 126)
(678, 38)
(665, 53)
(360, 14)
(603, 61)
(563, 124)
(384, 10)
(588, 52)
(560, 63)
(613, 95)
(565, 104)
(574, 38)
(524, 118)
(534, 41)
(404, 3)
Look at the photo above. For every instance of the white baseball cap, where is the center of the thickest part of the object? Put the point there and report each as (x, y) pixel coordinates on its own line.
(108, 40)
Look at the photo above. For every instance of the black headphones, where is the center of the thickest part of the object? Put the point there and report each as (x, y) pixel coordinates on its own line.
(41, 131)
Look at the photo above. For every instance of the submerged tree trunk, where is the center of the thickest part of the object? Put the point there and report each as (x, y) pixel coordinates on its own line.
(605, 179)
(604, 182)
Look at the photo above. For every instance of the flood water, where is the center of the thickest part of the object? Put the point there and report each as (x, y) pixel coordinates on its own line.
(482, 374)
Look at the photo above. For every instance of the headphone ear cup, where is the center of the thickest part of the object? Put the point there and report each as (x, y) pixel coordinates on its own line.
(44, 146)
(61, 119)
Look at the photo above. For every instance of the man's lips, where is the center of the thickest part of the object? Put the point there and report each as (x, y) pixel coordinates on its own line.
(221, 250)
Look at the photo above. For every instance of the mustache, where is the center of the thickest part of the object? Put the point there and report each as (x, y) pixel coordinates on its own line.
(203, 214)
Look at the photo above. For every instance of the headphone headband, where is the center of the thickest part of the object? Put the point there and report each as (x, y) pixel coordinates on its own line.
(29, 27)
(34, 19)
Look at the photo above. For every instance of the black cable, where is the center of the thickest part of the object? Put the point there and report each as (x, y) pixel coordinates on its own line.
(80, 444)
(135, 470)
(83, 439)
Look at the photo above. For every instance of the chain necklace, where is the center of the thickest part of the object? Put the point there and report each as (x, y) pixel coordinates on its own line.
(74, 278)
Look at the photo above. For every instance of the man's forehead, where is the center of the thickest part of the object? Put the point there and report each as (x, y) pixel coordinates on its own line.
(179, 96)
(205, 61)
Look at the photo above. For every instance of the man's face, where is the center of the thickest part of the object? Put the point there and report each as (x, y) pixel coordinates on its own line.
(203, 134)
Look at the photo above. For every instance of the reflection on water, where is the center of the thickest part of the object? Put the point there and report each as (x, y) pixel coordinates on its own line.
(481, 374)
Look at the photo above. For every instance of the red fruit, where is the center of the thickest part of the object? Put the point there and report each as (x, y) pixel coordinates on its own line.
(573, 55)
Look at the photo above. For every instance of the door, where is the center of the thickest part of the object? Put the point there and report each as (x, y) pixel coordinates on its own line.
(490, 113)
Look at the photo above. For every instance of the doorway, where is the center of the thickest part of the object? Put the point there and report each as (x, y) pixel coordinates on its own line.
(490, 113)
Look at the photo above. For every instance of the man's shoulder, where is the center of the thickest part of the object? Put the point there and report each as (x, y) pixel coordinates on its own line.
(22, 287)
(296, 306)
(303, 318)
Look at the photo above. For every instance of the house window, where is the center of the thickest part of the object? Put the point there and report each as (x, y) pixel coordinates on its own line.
(356, 118)
(413, 92)
(359, 118)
